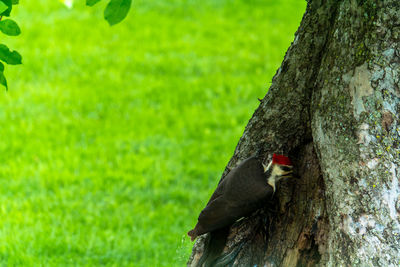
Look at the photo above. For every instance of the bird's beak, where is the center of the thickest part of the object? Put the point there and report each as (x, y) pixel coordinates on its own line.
(287, 174)
(295, 176)
(291, 174)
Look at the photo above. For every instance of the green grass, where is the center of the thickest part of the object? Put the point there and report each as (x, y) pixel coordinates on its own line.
(112, 139)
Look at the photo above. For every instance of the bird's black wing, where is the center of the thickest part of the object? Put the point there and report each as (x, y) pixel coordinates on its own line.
(247, 184)
(218, 192)
(218, 213)
(238, 195)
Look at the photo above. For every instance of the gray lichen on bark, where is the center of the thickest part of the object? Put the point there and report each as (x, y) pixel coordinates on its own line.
(334, 106)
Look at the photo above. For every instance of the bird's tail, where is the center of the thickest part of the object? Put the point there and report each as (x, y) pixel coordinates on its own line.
(214, 246)
(192, 233)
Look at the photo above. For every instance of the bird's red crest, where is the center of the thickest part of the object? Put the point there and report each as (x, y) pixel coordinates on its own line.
(281, 160)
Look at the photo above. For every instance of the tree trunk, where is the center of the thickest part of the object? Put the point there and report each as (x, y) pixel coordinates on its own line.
(334, 107)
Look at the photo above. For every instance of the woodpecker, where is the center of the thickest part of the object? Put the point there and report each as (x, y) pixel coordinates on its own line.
(241, 192)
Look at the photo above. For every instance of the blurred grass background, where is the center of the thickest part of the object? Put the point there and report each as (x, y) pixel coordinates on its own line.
(114, 138)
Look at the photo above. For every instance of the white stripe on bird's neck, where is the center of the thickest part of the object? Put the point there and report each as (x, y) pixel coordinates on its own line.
(276, 173)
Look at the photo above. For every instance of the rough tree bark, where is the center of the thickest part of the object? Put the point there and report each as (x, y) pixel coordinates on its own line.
(334, 106)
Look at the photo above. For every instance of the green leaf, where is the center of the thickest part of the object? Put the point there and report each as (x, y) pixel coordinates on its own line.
(15, 2)
(9, 27)
(116, 11)
(8, 56)
(3, 7)
(7, 11)
(3, 80)
(92, 2)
